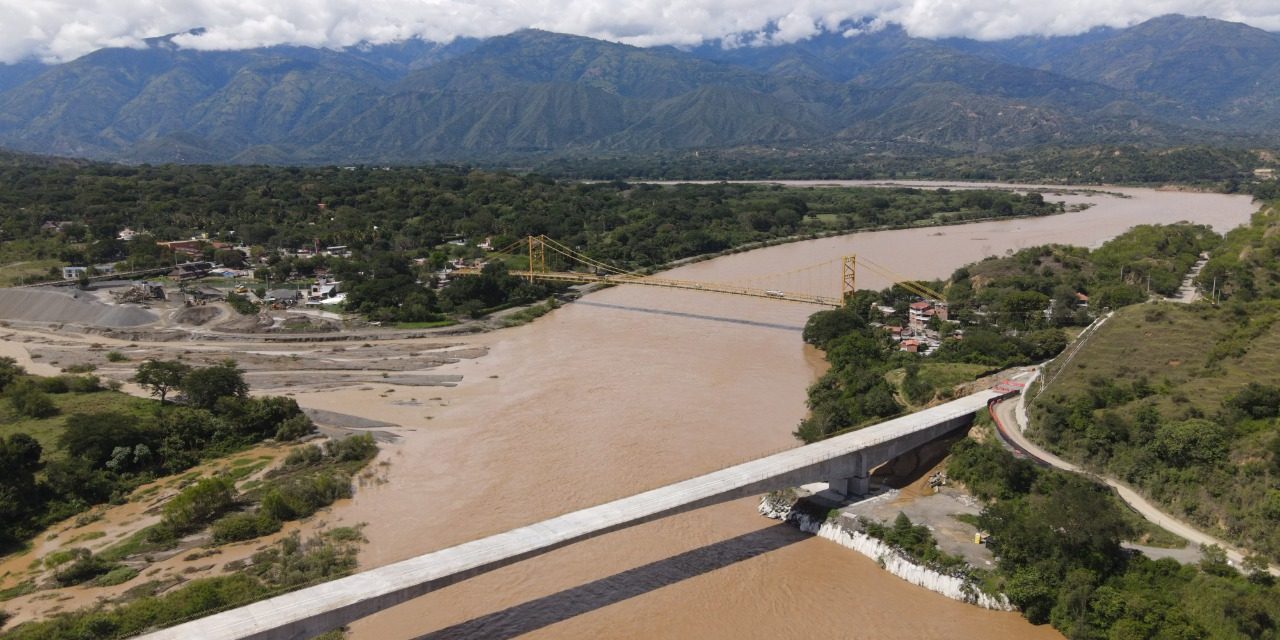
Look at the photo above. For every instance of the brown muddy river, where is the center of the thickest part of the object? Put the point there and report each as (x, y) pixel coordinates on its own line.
(632, 388)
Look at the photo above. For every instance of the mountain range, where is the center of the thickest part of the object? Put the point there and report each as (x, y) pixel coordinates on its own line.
(1168, 81)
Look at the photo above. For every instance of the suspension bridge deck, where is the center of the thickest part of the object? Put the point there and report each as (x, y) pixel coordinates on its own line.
(569, 276)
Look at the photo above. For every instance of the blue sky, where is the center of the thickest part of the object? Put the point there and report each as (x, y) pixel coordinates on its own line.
(59, 30)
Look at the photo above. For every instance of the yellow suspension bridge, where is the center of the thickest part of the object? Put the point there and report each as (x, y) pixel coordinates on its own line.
(536, 249)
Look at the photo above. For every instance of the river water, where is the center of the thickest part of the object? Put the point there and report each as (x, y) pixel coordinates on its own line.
(634, 387)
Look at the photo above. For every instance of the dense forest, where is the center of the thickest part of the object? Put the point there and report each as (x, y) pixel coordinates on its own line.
(1056, 537)
(1219, 169)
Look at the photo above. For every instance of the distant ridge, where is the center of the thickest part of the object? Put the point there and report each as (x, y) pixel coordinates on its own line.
(1169, 81)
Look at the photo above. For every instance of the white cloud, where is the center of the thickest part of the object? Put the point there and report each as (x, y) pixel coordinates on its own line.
(63, 29)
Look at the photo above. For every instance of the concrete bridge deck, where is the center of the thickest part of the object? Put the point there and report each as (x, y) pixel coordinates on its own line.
(844, 460)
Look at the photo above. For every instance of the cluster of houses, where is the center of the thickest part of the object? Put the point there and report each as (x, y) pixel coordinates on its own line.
(916, 336)
(324, 291)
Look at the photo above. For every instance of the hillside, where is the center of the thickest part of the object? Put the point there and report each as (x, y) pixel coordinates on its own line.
(1181, 402)
(534, 94)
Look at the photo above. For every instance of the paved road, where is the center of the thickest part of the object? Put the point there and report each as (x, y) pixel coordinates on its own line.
(1012, 415)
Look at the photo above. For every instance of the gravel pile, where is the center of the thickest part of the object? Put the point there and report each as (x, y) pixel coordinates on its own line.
(69, 307)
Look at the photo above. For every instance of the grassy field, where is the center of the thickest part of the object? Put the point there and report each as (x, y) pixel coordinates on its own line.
(47, 430)
(1145, 400)
(1172, 345)
(15, 273)
(940, 376)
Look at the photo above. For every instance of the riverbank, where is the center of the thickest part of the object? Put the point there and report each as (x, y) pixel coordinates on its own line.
(846, 531)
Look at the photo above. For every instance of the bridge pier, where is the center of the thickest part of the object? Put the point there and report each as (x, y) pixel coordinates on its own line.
(853, 486)
(857, 484)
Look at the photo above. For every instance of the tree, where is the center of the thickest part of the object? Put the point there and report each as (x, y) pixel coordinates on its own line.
(94, 437)
(161, 376)
(30, 401)
(9, 371)
(1191, 442)
(825, 326)
(205, 386)
(229, 257)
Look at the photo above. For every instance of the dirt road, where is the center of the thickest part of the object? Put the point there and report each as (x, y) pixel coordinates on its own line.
(1008, 415)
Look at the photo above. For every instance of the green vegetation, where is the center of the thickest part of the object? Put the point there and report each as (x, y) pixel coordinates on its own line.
(193, 508)
(533, 312)
(1167, 398)
(100, 445)
(1001, 312)
(310, 479)
(1056, 537)
(433, 324)
(398, 222)
(161, 376)
(241, 304)
(1244, 268)
(916, 542)
(1219, 169)
(1179, 401)
(1017, 290)
(920, 383)
(287, 565)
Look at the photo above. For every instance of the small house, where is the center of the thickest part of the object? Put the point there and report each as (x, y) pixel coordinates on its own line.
(286, 297)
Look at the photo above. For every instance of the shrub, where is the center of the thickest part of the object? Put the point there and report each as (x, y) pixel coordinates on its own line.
(243, 526)
(302, 497)
(241, 304)
(118, 575)
(116, 356)
(361, 447)
(198, 504)
(53, 384)
(304, 456)
(80, 368)
(30, 401)
(293, 428)
(84, 384)
(59, 557)
(85, 567)
(9, 371)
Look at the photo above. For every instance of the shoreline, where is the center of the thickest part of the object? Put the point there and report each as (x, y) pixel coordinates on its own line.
(890, 559)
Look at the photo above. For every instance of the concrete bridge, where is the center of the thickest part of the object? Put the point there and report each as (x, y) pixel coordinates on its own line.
(844, 461)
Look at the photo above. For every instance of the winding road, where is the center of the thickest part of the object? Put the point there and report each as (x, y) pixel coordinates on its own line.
(1011, 417)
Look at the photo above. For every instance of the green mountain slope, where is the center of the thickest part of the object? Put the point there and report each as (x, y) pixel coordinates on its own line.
(533, 93)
